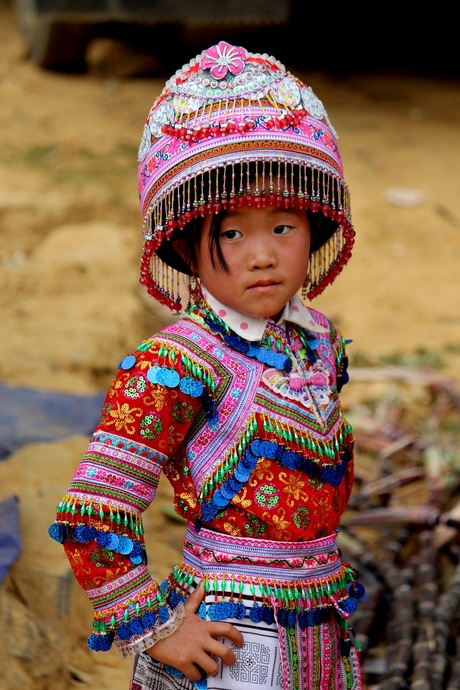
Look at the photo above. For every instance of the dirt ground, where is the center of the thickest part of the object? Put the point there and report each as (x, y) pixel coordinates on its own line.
(70, 227)
(68, 158)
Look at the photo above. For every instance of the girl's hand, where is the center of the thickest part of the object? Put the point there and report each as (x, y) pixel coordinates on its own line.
(189, 647)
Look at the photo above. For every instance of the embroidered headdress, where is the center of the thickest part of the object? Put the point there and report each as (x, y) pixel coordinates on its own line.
(234, 128)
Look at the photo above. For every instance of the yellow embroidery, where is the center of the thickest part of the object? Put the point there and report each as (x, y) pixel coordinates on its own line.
(293, 487)
(278, 521)
(124, 417)
(174, 438)
(262, 473)
(172, 473)
(245, 502)
(162, 444)
(234, 530)
(157, 398)
(189, 499)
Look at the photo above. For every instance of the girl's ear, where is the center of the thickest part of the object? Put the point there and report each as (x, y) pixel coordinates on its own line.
(181, 246)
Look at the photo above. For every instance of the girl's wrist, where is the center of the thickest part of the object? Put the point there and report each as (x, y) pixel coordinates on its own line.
(151, 637)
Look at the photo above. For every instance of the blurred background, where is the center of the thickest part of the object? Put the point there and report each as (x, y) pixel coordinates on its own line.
(77, 80)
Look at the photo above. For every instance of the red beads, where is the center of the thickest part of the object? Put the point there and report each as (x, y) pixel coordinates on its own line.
(218, 129)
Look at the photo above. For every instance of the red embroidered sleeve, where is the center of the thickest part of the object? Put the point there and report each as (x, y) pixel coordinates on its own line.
(156, 396)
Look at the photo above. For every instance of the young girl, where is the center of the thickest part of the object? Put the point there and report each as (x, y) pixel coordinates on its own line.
(241, 188)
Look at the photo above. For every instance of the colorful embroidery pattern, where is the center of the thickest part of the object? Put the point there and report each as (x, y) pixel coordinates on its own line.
(246, 456)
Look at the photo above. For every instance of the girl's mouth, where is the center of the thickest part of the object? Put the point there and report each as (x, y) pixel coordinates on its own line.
(263, 284)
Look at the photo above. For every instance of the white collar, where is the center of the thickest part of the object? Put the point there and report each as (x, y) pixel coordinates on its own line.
(253, 328)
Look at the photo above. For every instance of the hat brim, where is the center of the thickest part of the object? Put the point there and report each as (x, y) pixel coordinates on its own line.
(322, 229)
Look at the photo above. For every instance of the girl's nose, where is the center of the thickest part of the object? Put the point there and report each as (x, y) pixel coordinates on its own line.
(261, 255)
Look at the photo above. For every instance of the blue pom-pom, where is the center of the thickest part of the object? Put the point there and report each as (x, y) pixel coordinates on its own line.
(249, 460)
(103, 539)
(303, 619)
(213, 612)
(174, 598)
(219, 611)
(318, 616)
(240, 611)
(137, 550)
(232, 609)
(84, 533)
(256, 613)
(57, 532)
(163, 614)
(125, 545)
(265, 449)
(241, 473)
(255, 447)
(268, 615)
(148, 620)
(356, 590)
(219, 499)
(208, 511)
(202, 611)
(124, 631)
(113, 540)
(282, 616)
(137, 554)
(238, 343)
(105, 642)
(226, 490)
(234, 485)
(289, 459)
(288, 365)
(136, 626)
(93, 643)
(291, 619)
(333, 474)
(349, 605)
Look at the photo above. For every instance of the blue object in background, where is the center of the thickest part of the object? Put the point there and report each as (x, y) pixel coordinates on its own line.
(10, 535)
(33, 416)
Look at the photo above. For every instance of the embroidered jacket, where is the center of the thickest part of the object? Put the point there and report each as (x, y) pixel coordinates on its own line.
(250, 434)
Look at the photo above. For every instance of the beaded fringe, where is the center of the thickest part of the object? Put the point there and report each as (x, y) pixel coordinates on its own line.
(293, 186)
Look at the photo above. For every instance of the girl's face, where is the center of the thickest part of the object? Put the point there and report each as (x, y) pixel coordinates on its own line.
(267, 252)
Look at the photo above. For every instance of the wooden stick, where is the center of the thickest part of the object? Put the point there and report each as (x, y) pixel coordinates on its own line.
(444, 616)
(427, 591)
(387, 484)
(454, 680)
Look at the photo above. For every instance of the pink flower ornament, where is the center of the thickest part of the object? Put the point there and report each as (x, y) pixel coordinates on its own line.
(223, 58)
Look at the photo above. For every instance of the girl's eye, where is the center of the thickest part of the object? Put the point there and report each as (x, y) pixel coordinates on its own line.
(282, 229)
(231, 234)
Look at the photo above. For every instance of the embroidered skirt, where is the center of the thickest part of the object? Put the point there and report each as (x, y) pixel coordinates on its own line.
(291, 601)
